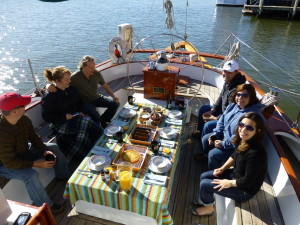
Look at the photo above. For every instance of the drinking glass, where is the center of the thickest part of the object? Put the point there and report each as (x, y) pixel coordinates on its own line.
(124, 175)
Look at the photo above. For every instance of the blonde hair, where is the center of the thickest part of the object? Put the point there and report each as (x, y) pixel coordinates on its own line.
(84, 60)
(56, 74)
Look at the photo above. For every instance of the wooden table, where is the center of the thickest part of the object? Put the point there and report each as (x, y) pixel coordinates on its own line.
(143, 204)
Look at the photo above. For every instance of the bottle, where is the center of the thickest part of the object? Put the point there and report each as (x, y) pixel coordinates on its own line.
(107, 175)
(102, 175)
(169, 101)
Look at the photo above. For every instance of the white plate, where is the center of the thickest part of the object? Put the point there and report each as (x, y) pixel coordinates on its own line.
(168, 133)
(154, 167)
(127, 113)
(98, 162)
(111, 130)
(175, 114)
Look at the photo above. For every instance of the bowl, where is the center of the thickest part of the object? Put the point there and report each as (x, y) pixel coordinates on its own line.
(159, 162)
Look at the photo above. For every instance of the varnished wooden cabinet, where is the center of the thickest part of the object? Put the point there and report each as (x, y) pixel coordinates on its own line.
(157, 84)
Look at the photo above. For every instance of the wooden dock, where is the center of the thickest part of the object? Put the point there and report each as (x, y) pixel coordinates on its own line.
(262, 6)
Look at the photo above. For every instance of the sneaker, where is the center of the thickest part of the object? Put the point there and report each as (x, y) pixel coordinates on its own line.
(197, 134)
(200, 157)
(55, 208)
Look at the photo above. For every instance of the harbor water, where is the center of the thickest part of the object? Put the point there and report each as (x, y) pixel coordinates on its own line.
(61, 32)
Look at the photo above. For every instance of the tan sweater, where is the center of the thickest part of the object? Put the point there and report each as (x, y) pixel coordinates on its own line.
(14, 142)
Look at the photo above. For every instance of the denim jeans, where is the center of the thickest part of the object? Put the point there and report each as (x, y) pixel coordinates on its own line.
(203, 109)
(30, 177)
(207, 190)
(103, 101)
(216, 156)
(209, 126)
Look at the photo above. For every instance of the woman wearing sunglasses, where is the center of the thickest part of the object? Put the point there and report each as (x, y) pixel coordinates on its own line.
(75, 133)
(217, 145)
(250, 167)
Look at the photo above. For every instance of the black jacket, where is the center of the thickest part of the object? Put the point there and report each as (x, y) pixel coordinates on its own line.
(56, 105)
(250, 169)
(224, 97)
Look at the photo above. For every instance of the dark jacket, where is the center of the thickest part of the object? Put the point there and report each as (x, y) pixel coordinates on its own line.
(250, 169)
(224, 97)
(55, 105)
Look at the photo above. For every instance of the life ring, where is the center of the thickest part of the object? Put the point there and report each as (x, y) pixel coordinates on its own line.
(117, 49)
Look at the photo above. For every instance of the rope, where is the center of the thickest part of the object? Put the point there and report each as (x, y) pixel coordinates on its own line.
(168, 5)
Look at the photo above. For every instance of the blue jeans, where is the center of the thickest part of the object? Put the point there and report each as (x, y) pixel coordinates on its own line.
(207, 190)
(102, 101)
(203, 109)
(216, 156)
(209, 126)
(30, 177)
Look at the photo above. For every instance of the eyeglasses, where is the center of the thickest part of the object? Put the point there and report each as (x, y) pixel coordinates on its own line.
(248, 127)
(242, 95)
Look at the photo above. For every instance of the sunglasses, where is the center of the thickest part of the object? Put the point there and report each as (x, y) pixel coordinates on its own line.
(242, 95)
(248, 127)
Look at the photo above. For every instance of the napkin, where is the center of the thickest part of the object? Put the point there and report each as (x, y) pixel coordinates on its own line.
(154, 179)
(174, 121)
(97, 149)
(167, 143)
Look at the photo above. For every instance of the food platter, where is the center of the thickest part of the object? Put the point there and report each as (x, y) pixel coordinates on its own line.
(136, 166)
(168, 132)
(143, 134)
(112, 130)
(160, 164)
(98, 162)
(175, 114)
(127, 113)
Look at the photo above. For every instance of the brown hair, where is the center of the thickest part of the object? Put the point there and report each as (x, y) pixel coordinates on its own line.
(84, 60)
(258, 136)
(56, 74)
(251, 91)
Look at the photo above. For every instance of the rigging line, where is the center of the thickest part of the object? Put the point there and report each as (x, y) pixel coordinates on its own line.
(267, 59)
(144, 25)
(267, 79)
(186, 17)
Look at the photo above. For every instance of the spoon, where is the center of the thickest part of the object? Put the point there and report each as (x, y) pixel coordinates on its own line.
(87, 175)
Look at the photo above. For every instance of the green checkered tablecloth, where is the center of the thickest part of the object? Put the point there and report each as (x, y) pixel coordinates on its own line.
(144, 199)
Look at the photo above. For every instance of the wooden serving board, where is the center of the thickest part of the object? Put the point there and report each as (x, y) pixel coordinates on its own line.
(137, 165)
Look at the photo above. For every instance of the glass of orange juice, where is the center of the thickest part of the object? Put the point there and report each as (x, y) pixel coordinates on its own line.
(124, 174)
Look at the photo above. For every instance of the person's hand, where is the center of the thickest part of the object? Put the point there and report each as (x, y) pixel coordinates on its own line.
(218, 143)
(218, 171)
(211, 139)
(212, 117)
(221, 184)
(43, 164)
(51, 88)
(69, 116)
(116, 99)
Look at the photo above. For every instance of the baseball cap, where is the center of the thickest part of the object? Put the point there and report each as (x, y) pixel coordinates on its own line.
(11, 100)
(231, 66)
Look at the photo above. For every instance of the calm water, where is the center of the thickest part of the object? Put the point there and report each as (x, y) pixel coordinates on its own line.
(60, 33)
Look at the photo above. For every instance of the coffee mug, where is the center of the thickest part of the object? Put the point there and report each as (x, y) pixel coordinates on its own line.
(131, 99)
(154, 146)
(119, 136)
(50, 157)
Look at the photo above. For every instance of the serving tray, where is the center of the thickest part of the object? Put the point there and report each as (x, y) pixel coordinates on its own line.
(152, 129)
(137, 165)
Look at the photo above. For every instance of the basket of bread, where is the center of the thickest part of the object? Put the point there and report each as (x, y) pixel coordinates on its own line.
(134, 154)
(143, 134)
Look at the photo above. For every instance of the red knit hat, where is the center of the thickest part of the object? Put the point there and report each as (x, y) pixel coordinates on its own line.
(11, 100)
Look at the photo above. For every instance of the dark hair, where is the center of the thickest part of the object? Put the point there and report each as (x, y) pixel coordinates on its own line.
(258, 136)
(251, 91)
(84, 60)
(56, 74)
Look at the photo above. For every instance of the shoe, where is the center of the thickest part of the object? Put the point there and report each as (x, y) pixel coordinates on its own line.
(197, 134)
(194, 211)
(55, 208)
(200, 157)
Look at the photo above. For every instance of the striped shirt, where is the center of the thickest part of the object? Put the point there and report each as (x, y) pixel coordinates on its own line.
(14, 142)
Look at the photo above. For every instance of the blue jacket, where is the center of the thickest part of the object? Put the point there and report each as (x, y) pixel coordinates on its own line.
(227, 123)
